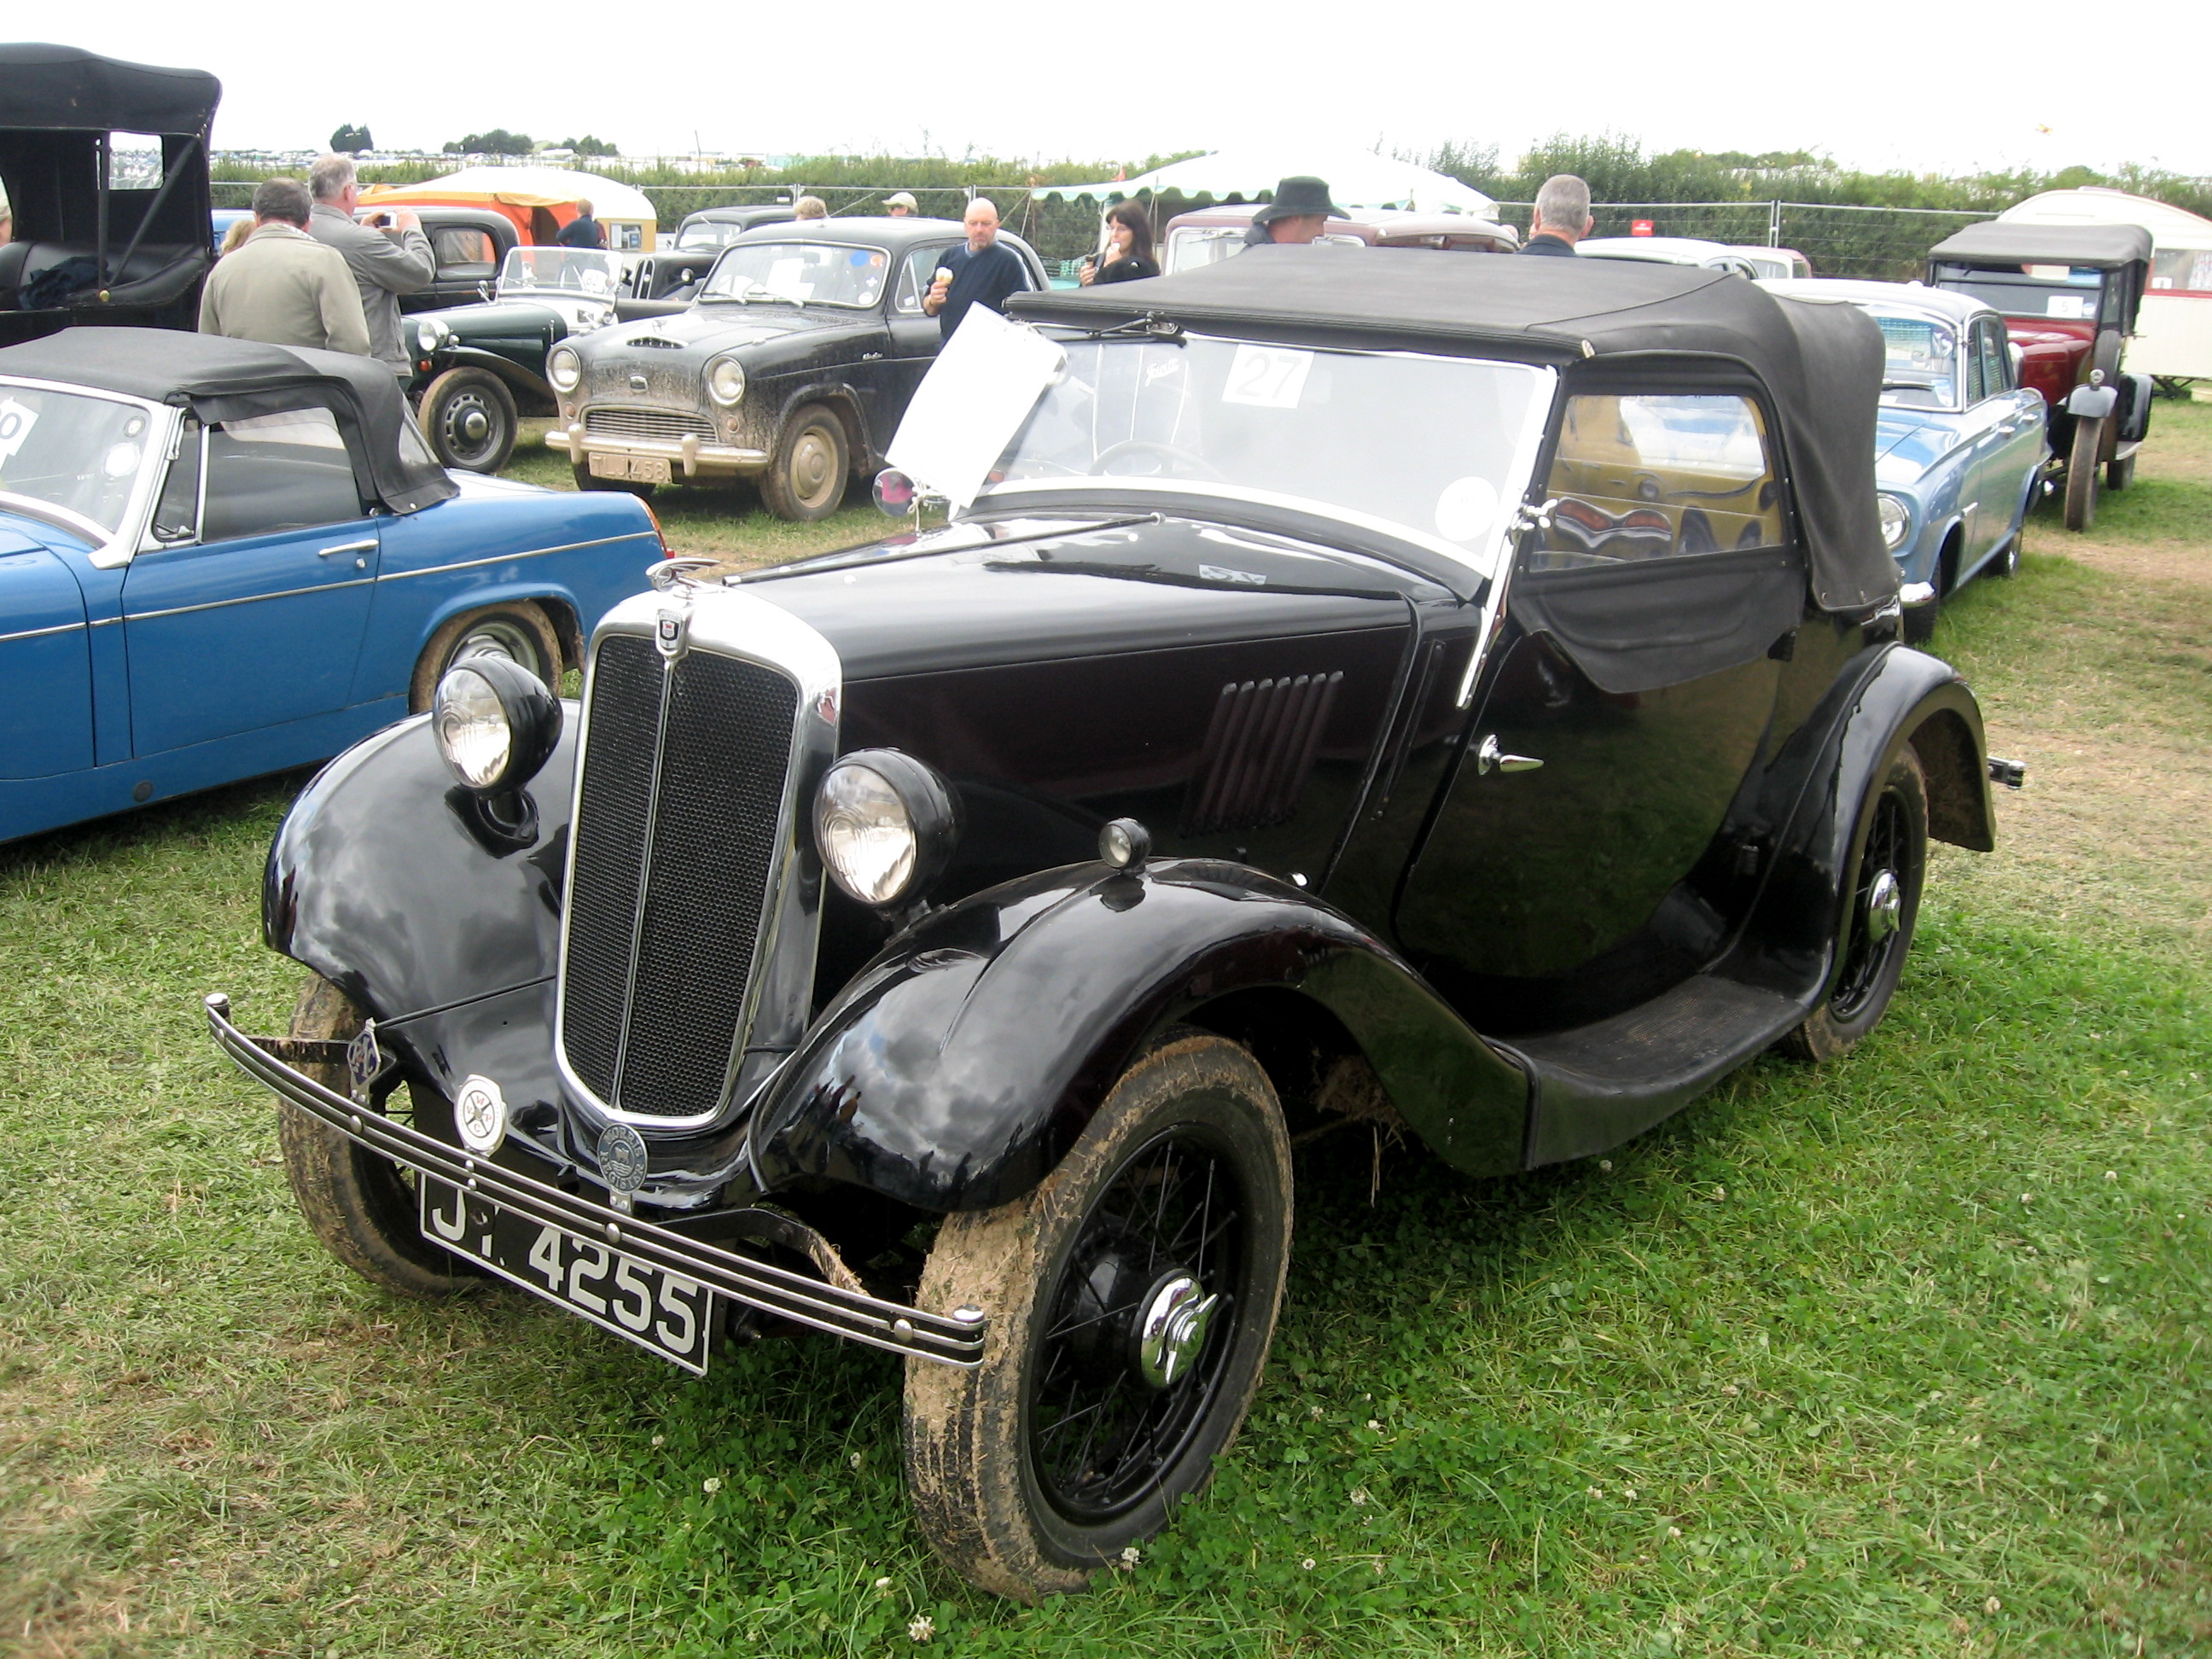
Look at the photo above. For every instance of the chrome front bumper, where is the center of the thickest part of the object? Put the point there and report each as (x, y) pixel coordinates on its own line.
(950, 1340)
(696, 459)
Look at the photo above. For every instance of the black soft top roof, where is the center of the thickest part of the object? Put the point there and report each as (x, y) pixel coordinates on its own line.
(1820, 362)
(225, 379)
(2005, 242)
(46, 86)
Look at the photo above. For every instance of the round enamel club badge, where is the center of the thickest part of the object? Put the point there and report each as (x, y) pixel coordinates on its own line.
(622, 1157)
(480, 1113)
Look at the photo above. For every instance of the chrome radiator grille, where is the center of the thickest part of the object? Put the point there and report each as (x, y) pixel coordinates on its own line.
(675, 850)
(666, 426)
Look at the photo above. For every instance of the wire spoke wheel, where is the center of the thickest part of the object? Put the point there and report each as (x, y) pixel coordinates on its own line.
(1132, 1298)
(1133, 1348)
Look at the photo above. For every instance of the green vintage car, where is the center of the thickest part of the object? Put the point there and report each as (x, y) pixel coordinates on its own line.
(479, 369)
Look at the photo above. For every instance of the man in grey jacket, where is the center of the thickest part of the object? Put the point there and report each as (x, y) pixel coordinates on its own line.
(282, 287)
(387, 262)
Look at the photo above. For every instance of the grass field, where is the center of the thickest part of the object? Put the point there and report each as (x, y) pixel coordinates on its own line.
(1901, 1356)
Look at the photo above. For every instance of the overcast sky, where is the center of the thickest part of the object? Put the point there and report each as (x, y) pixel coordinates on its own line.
(1940, 87)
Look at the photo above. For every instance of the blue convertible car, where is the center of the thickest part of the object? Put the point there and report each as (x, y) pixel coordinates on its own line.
(1960, 446)
(219, 559)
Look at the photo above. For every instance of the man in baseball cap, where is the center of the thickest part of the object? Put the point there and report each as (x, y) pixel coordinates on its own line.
(1297, 215)
(899, 204)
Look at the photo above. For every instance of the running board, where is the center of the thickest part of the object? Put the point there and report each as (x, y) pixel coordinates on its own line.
(1600, 1084)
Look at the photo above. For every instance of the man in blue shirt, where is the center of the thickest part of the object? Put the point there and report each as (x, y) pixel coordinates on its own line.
(981, 274)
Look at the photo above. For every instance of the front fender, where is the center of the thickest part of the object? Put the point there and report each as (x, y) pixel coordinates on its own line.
(518, 379)
(387, 880)
(957, 1069)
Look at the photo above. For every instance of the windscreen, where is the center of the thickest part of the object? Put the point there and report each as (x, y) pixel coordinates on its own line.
(1431, 448)
(2069, 291)
(803, 273)
(1920, 362)
(80, 454)
(568, 269)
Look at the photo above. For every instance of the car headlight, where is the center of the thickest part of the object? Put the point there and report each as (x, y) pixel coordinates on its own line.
(495, 723)
(1896, 521)
(430, 333)
(885, 825)
(726, 381)
(564, 369)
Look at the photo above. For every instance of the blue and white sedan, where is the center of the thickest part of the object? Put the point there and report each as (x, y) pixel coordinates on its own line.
(219, 559)
(1960, 448)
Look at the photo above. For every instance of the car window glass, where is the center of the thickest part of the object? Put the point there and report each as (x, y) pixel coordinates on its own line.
(1650, 477)
(1978, 383)
(81, 454)
(915, 273)
(1996, 362)
(804, 273)
(177, 514)
(1920, 367)
(282, 471)
(464, 251)
(134, 161)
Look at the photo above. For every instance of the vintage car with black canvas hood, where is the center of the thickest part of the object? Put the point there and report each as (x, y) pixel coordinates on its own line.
(791, 367)
(1353, 686)
(104, 165)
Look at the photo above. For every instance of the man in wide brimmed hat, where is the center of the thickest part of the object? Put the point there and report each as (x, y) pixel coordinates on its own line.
(1300, 209)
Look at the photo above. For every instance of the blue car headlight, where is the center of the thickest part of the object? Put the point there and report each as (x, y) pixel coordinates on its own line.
(1896, 521)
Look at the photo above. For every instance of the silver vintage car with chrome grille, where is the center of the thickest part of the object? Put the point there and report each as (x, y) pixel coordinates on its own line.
(791, 367)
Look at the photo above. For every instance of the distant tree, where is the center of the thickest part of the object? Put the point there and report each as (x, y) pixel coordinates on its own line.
(498, 142)
(350, 140)
(588, 145)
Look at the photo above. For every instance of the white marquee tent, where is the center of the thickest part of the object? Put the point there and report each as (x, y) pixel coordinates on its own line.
(1357, 179)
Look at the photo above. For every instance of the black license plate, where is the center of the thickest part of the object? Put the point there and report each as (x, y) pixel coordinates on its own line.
(665, 1312)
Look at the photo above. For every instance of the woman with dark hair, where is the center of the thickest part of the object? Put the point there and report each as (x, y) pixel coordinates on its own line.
(1128, 248)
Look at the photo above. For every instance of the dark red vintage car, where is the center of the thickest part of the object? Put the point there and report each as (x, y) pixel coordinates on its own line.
(2069, 296)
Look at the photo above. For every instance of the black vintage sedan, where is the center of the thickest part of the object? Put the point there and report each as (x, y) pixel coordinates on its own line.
(1355, 686)
(793, 366)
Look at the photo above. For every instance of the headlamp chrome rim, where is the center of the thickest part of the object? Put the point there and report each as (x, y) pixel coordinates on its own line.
(726, 381)
(564, 369)
(885, 825)
(1896, 520)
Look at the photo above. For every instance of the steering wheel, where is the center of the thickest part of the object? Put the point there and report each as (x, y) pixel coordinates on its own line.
(1195, 466)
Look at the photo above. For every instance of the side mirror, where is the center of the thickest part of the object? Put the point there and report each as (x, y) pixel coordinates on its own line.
(483, 292)
(896, 495)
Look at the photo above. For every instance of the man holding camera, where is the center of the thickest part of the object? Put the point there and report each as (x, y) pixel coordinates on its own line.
(387, 259)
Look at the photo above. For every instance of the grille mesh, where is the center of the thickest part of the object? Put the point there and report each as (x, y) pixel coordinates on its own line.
(713, 849)
(1259, 749)
(658, 425)
(724, 750)
(610, 835)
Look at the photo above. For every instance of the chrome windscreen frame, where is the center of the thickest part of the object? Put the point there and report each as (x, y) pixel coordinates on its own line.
(779, 993)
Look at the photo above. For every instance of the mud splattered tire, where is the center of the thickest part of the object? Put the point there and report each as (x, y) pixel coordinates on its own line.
(1077, 1437)
(805, 479)
(1889, 863)
(520, 632)
(2081, 464)
(362, 1207)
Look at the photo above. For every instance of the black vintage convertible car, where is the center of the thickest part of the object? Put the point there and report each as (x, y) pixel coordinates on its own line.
(791, 368)
(1463, 694)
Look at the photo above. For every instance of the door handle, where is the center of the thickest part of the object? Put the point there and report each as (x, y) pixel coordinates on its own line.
(1490, 755)
(368, 546)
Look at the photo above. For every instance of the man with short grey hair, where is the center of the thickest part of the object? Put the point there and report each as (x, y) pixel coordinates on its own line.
(280, 286)
(1563, 217)
(387, 259)
(983, 271)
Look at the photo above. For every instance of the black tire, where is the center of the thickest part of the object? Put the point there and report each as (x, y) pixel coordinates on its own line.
(1920, 619)
(806, 477)
(2119, 472)
(1889, 863)
(468, 415)
(1004, 1492)
(2082, 473)
(362, 1207)
(582, 471)
(520, 631)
